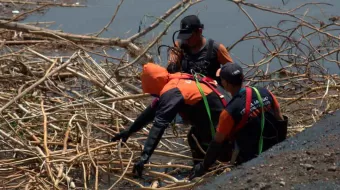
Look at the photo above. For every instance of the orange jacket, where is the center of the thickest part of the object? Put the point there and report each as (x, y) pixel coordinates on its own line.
(181, 96)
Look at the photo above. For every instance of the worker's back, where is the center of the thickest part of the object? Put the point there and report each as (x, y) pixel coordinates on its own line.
(193, 109)
(183, 96)
(178, 95)
(248, 137)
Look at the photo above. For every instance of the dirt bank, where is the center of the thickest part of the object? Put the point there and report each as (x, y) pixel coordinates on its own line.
(309, 160)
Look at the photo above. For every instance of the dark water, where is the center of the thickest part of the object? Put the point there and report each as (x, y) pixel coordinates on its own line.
(223, 20)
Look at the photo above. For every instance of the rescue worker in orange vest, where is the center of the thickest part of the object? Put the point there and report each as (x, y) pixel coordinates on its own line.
(252, 122)
(197, 54)
(177, 93)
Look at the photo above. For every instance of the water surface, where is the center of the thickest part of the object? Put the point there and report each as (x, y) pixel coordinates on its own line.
(223, 20)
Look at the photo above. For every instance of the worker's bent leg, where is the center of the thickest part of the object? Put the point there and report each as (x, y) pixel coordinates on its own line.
(195, 150)
(226, 152)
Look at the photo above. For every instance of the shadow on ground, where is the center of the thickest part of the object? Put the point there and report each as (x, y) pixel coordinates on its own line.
(310, 160)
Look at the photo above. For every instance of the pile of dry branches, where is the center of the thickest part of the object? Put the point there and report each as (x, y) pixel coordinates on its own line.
(58, 118)
(58, 113)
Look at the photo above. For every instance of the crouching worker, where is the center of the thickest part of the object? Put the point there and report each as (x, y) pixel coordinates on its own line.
(178, 94)
(252, 122)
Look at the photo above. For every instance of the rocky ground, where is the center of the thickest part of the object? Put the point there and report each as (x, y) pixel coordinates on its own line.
(309, 160)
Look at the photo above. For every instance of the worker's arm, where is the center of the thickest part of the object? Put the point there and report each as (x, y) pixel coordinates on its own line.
(142, 120)
(282, 122)
(174, 60)
(223, 55)
(225, 126)
(276, 106)
(168, 106)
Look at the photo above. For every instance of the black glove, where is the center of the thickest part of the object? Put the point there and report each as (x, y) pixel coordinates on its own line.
(210, 157)
(139, 166)
(124, 135)
(212, 154)
(197, 171)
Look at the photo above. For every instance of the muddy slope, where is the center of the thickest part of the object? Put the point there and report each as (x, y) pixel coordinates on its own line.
(309, 160)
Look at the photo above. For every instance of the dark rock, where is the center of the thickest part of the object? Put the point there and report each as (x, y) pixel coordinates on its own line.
(308, 166)
(332, 168)
(263, 186)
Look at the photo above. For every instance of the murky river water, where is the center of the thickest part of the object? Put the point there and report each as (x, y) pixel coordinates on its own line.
(223, 21)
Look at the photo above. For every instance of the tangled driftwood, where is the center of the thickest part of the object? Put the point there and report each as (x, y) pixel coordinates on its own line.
(54, 125)
(58, 113)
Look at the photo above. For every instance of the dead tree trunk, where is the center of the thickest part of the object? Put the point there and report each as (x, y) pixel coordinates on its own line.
(133, 49)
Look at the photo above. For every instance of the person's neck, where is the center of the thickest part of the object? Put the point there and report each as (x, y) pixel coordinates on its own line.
(235, 90)
(199, 45)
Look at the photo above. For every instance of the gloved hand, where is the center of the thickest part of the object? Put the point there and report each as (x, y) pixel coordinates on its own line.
(124, 135)
(197, 171)
(211, 155)
(139, 166)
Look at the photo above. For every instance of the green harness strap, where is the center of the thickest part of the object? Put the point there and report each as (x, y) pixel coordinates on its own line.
(206, 105)
(262, 119)
(212, 129)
